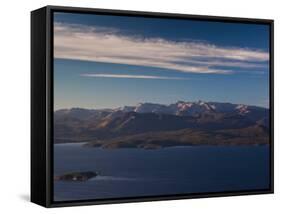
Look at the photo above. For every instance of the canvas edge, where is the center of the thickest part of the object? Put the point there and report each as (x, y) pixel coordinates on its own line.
(38, 155)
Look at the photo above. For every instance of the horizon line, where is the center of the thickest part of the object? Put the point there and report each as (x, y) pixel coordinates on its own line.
(111, 108)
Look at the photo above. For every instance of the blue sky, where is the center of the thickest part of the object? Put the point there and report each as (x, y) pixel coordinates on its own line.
(110, 61)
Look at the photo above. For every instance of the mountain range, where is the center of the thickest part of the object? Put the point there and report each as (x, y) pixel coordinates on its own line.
(150, 125)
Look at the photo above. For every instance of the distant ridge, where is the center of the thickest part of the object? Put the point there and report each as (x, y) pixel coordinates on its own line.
(180, 107)
(210, 118)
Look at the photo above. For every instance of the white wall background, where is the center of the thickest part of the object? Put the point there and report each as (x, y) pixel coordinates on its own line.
(15, 106)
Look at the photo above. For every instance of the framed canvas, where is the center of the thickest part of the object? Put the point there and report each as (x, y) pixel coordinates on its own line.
(140, 106)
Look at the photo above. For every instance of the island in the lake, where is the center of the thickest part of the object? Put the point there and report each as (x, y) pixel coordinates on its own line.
(153, 126)
(76, 176)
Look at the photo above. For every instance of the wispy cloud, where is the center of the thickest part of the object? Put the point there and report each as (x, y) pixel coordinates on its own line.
(108, 45)
(126, 76)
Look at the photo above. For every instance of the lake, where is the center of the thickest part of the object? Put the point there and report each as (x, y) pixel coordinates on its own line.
(175, 170)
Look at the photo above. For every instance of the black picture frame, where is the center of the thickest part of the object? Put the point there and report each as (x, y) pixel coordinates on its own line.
(42, 104)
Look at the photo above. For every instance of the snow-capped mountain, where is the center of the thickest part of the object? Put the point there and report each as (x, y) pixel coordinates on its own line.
(190, 108)
(82, 124)
(153, 121)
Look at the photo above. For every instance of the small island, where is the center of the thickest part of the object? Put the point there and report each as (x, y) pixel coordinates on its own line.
(76, 176)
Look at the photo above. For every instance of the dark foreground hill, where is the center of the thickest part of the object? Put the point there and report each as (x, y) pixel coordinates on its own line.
(256, 135)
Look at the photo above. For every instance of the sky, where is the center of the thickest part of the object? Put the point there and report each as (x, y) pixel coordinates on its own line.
(103, 61)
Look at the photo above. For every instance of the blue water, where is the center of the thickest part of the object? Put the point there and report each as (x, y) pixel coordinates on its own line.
(177, 170)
